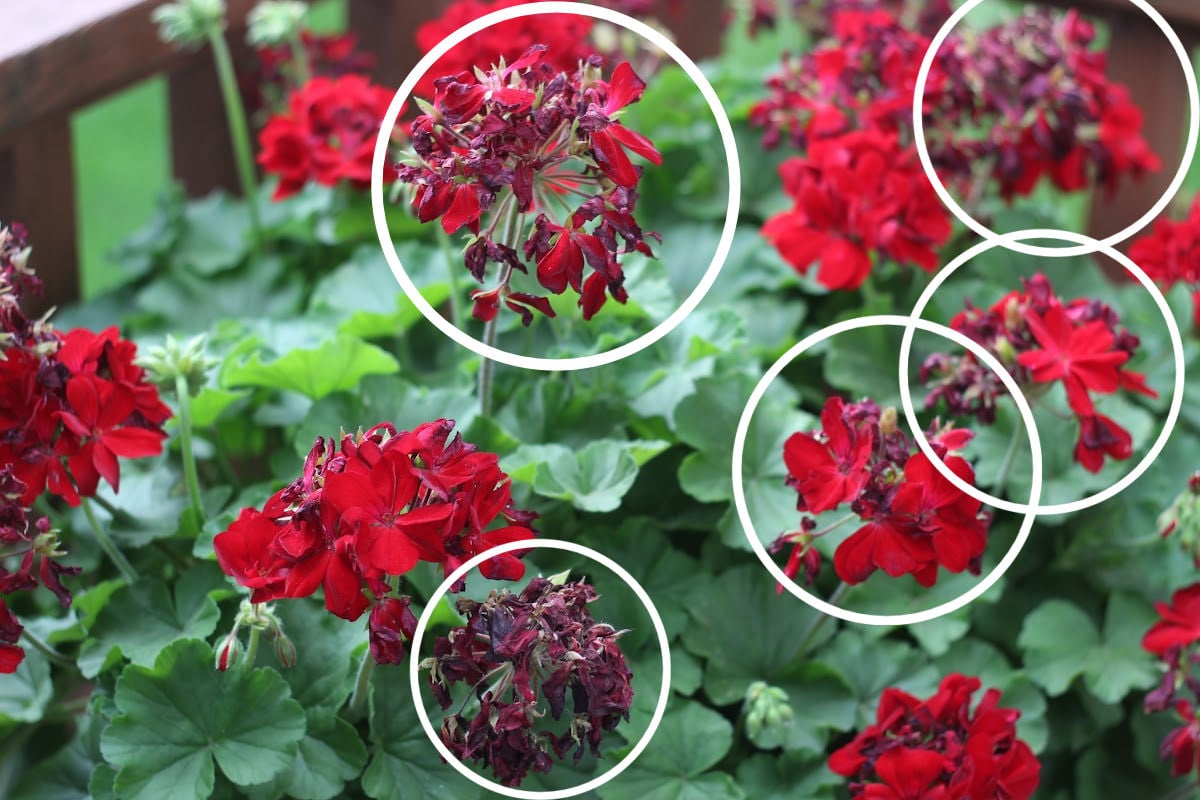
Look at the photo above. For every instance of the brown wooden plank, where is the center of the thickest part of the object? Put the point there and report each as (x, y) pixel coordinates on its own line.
(1139, 58)
(1184, 12)
(387, 30)
(56, 60)
(200, 149)
(37, 187)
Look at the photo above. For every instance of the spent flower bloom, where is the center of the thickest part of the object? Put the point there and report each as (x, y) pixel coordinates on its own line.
(534, 163)
(914, 519)
(940, 748)
(525, 656)
(367, 509)
(1042, 339)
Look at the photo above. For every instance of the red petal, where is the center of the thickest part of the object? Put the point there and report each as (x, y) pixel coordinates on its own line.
(624, 88)
(611, 158)
(636, 142)
(464, 210)
(134, 442)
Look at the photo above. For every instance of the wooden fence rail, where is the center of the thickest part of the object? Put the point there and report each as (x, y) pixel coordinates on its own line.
(58, 57)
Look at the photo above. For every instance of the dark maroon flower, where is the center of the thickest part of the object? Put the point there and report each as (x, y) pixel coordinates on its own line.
(391, 625)
(534, 162)
(525, 656)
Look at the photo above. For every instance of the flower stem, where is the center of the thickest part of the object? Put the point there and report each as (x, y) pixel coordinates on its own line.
(1009, 457)
(239, 132)
(299, 58)
(252, 647)
(185, 445)
(834, 525)
(46, 649)
(486, 369)
(106, 544)
(452, 268)
(815, 626)
(358, 700)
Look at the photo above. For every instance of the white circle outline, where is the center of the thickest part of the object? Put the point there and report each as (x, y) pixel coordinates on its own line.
(660, 630)
(743, 429)
(1172, 412)
(1135, 227)
(481, 349)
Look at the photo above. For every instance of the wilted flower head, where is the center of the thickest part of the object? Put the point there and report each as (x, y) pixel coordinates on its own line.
(534, 163)
(523, 656)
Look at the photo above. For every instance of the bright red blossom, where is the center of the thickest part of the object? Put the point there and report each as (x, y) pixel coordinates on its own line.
(327, 134)
(369, 509)
(1170, 254)
(939, 749)
(915, 520)
(1042, 338)
(857, 197)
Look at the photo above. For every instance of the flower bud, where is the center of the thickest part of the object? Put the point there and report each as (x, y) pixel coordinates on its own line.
(229, 652)
(189, 22)
(767, 708)
(173, 358)
(274, 22)
(285, 651)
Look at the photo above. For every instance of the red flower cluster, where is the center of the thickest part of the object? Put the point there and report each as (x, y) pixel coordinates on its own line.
(1043, 339)
(1174, 639)
(1045, 106)
(861, 78)
(1032, 86)
(857, 195)
(1170, 254)
(818, 16)
(525, 139)
(369, 510)
(327, 134)
(939, 749)
(327, 56)
(915, 519)
(566, 36)
(537, 646)
(71, 405)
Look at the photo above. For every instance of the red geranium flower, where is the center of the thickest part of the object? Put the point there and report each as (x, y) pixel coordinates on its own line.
(11, 655)
(1082, 357)
(1180, 623)
(829, 473)
(327, 135)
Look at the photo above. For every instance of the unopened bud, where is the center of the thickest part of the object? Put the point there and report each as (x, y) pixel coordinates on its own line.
(189, 22)
(285, 651)
(273, 22)
(229, 652)
(888, 421)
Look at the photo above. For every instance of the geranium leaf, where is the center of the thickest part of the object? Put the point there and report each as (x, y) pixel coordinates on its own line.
(1057, 640)
(139, 621)
(165, 742)
(335, 365)
(402, 759)
(691, 739)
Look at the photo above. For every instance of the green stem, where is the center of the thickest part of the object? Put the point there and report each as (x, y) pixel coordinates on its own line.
(1009, 457)
(239, 132)
(834, 525)
(299, 58)
(106, 544)
(358, 700)
(224, 463)
(512, 227)
(46, 649)
(486, 369)
(452, 268)
(185, 445)
(252, 647)
(815, 626)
